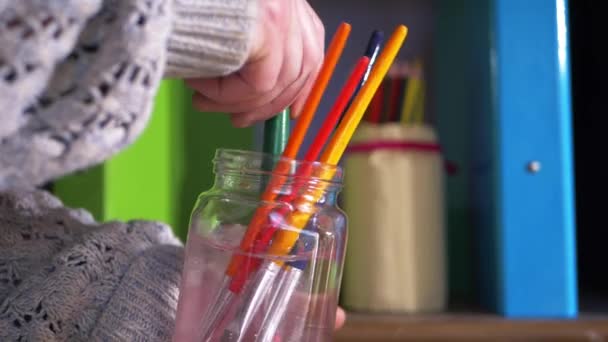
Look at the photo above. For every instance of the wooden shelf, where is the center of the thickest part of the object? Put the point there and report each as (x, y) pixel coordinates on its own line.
(469, 327)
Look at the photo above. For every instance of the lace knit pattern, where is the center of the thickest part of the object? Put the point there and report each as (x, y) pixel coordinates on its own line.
(78, 77)
(63, 277)
(97, 101)
(25, 67)
(77, 81)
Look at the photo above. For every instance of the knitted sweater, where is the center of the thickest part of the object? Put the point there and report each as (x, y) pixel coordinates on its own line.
(63, 277)
(77, 80)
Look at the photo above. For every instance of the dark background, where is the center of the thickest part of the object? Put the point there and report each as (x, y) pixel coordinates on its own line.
(588, 35)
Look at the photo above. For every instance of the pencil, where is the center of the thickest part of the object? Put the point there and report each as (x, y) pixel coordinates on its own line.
(334, 114)
(396, 91)
(284, 239)
(312, 102)
(305, 169)
(334, 51)
(413, 87)
(377, 105)
(276, 133)
(371, 51)
(333, 152)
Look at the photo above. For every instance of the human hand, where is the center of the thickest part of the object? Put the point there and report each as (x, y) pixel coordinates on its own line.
(285, 55)
(340, 319)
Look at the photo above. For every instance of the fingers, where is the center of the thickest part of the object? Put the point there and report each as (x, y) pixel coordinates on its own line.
(252, 81)
(281, 96)
(317, 24)
(239, 93)
(340, 319)
(260, 72)
(281, 74)
(314, 41)
(234, 93)
(300, 99)
(286, 98)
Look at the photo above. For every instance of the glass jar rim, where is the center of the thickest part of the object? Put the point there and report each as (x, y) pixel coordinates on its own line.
(254, 163)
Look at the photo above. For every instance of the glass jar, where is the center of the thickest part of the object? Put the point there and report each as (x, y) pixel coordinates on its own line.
(265, 252)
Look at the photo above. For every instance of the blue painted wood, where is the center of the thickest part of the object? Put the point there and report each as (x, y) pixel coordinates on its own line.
(534, 222)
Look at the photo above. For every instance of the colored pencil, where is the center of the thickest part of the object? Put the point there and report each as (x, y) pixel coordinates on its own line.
(305, 170)
(290, 152)
(276, 133)
(312, 102)
(284, 240)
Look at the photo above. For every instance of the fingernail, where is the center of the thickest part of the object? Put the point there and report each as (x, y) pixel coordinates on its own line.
(240, 123)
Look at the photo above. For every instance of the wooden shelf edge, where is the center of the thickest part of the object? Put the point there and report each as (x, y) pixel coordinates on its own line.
(470, 327)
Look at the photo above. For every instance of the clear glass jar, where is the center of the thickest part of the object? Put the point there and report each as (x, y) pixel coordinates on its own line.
(265, 252)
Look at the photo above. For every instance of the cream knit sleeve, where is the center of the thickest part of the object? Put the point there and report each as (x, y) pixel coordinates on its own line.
(209, 37)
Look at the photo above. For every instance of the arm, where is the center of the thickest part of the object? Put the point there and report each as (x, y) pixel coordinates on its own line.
(285, 55)
(89, 105)
(65, 277)
(210, 38)
(34, 37)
